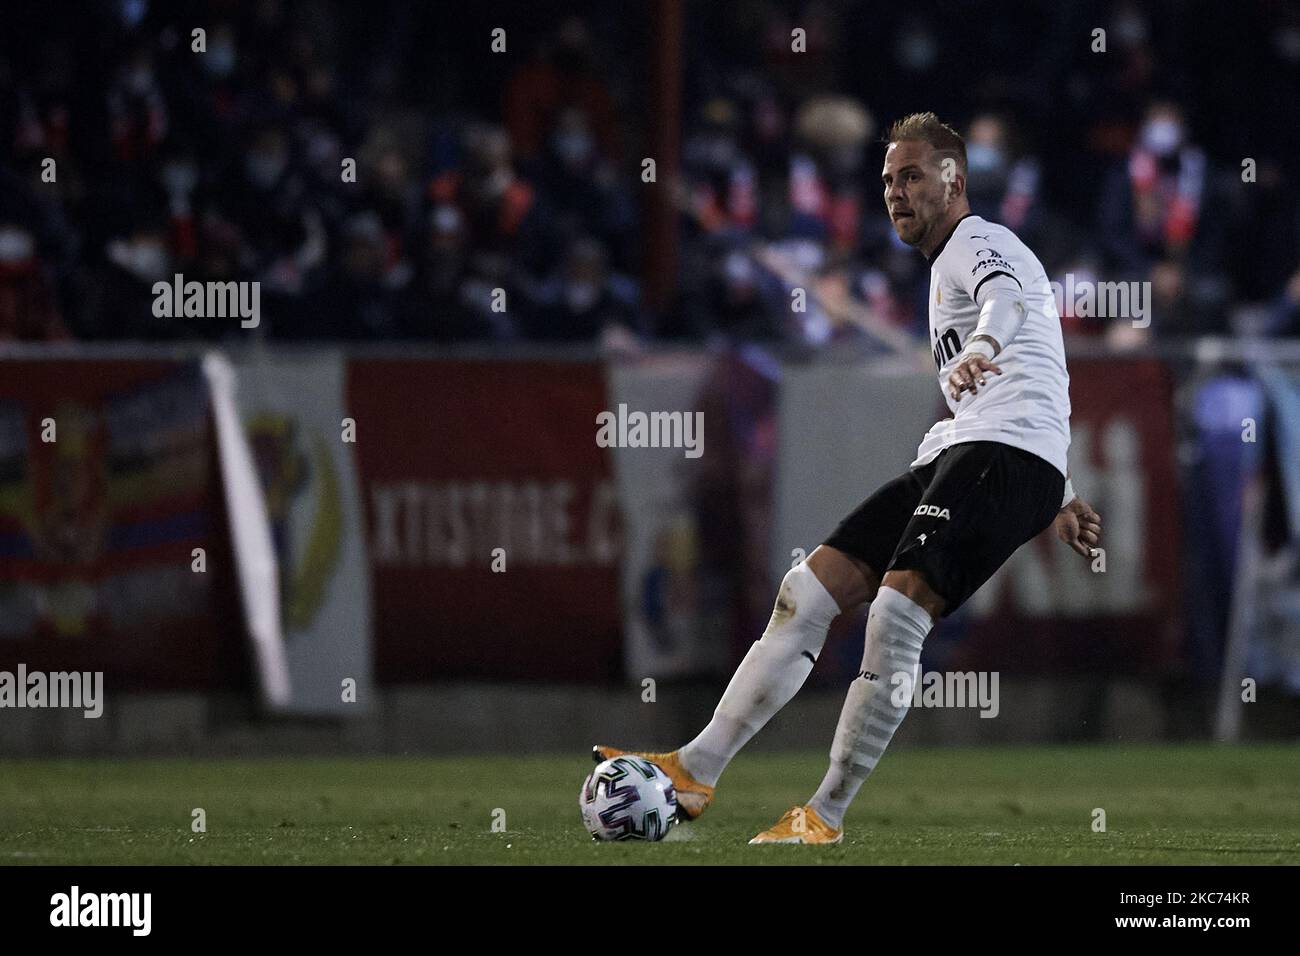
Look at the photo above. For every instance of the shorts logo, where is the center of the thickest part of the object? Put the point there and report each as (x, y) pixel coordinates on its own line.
(932, 511)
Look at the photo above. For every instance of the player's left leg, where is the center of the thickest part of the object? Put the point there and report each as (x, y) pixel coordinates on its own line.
(982, 501)
(903, 613)
(901, 616)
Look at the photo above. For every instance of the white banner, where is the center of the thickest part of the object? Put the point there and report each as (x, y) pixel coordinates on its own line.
(844, 430)
(256, 567)
(669, 627)
(292, 407)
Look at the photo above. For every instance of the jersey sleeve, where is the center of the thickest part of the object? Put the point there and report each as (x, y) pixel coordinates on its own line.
(989, 259)
(989, 265)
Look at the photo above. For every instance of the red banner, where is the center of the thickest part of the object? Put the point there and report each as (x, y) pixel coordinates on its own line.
(1050, 610)
(107, 484)
(491, 519)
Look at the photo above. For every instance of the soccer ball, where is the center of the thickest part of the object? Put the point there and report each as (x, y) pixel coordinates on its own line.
(628, 798)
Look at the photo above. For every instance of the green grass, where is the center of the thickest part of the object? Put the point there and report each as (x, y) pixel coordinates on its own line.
(1164, 805)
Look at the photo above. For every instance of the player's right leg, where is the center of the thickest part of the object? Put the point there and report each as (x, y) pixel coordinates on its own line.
(837, 576)
(812, 594)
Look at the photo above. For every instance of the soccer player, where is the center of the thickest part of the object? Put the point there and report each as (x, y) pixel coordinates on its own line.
(984, 482)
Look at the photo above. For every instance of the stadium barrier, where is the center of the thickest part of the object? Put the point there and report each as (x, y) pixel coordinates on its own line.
(450, 516)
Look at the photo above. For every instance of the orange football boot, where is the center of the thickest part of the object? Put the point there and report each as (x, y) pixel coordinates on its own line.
(692, 796)
(800, 825)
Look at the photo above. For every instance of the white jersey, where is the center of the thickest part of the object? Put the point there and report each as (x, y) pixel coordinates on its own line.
(1028, 405)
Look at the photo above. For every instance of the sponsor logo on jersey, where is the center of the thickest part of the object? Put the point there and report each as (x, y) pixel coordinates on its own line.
(945, 347)
(993, 261)
(932, 511)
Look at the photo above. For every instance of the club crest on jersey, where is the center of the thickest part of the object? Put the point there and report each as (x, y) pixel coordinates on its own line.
(932, 511)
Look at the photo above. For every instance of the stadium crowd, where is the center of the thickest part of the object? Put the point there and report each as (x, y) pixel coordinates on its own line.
(521, 171)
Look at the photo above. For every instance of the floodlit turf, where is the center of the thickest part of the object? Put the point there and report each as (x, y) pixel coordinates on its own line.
(1179, 805)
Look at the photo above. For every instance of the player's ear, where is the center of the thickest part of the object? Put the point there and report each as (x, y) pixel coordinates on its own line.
(956, 187)
(953, 177)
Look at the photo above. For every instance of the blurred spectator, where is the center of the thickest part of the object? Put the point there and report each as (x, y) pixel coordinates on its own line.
(28, 309)
(226, 164)
(137, 110)
(1151, 205)
(582, 190)
(1003, 182)
(826, 174)
(1284, 318)
(721, 183)
(583, 301)
(369, 294)
(561, 75)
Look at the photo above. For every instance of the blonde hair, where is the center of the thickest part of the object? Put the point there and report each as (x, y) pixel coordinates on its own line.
(929, 128)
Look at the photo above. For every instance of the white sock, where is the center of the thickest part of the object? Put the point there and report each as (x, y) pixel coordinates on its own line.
(771, 673)
(896, 629)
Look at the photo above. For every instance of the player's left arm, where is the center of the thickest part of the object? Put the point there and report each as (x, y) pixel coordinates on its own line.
(1077, 524)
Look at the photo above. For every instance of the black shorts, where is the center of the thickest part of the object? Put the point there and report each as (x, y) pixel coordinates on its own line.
(956, 519)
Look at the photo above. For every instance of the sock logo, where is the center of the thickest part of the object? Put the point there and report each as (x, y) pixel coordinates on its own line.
(867, 675)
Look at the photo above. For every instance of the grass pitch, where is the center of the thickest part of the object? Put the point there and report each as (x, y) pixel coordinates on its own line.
(1163, 805)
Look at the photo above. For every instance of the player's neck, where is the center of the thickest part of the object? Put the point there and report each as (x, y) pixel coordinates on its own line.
(939, 235)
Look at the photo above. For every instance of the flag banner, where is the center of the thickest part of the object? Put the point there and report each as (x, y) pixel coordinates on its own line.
(113, 550)
(292, 408)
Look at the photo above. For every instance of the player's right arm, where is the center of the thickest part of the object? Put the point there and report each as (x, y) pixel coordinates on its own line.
(989, 276)
(1079, 526)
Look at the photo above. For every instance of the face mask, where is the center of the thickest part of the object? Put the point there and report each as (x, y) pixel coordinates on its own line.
(845, 159)
(581, 296)
(982, 158)
(16, 245)
(1131, 30)
(446, 219)
(147, 260)
(491, 187)
(1287, 44)
(179, 177)
(1162, 137)
(574, 149)
(917, 51)
(719, 151)
(139, 80)
(264, 170)
(132, 11)
(220, 60)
